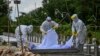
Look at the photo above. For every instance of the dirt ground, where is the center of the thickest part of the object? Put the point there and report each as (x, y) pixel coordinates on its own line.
(13, 51)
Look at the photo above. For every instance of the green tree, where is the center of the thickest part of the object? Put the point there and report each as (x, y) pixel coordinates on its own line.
(35, 17)
(85, 9)
(3, 16)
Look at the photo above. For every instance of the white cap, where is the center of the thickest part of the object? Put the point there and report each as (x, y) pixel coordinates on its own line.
(48, 18)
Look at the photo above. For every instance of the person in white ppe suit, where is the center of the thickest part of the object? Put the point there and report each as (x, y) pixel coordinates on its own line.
(24, 31)
(78, 31)
(47, 25)
(50, 37)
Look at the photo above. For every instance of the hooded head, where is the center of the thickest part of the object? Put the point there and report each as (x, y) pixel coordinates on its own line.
(48, 19)
(30, 28)
(74, 17)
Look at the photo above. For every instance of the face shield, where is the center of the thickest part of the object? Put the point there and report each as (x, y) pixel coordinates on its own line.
(48, 19)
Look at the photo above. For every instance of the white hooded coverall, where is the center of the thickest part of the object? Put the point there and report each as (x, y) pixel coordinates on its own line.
(25, 30)
(50, 36)
(79, 27)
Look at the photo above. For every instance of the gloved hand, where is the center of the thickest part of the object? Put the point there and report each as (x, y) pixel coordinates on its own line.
(44, 33)
(74, 34)
(54, 27)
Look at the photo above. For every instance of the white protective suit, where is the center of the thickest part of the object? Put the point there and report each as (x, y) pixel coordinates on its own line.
(47, 25)
(79, 27)
(25, 30)
(50, 37)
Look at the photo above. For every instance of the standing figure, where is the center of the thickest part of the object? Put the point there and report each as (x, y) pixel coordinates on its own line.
(50, 37)
(23, 31)
(79, 31)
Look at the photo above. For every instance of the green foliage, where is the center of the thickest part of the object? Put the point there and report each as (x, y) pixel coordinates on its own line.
(82, 8)
(3, 8)
(64, 29)
(3, 24)
(35, 17)
(3, 16)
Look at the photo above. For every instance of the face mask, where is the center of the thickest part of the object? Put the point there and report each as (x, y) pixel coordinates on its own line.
(75, 20)
(49, 20)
